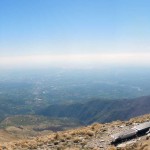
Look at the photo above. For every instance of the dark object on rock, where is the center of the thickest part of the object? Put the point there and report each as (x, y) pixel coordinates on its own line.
(138, 130)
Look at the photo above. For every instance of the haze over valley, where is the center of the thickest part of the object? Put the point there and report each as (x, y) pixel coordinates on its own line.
(34, 91)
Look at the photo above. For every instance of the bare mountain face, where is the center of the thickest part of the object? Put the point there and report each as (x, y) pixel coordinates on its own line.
(93, 137)
(100, 110)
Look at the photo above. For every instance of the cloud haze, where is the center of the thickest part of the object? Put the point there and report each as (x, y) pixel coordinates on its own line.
(80, 60)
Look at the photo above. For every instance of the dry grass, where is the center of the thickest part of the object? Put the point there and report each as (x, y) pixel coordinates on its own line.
(71, 139)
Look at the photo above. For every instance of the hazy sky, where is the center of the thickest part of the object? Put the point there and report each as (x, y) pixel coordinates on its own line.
(50, 31)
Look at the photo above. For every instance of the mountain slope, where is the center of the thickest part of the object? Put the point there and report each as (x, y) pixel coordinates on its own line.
(100, 110)
(28, 126)
(93, 137)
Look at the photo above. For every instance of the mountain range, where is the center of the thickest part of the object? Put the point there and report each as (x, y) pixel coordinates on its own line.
(100, 110)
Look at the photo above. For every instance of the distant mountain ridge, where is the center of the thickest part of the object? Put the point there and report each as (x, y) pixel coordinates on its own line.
(100, 110)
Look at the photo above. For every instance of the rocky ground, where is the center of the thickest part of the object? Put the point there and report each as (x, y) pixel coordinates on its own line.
(93, 137)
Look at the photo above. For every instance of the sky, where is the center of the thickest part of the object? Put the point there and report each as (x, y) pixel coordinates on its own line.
(41, 32)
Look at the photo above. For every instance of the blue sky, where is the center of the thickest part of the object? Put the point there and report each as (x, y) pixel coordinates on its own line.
(73, 27)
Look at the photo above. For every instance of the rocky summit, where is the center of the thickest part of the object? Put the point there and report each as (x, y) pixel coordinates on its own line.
(94, 137)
